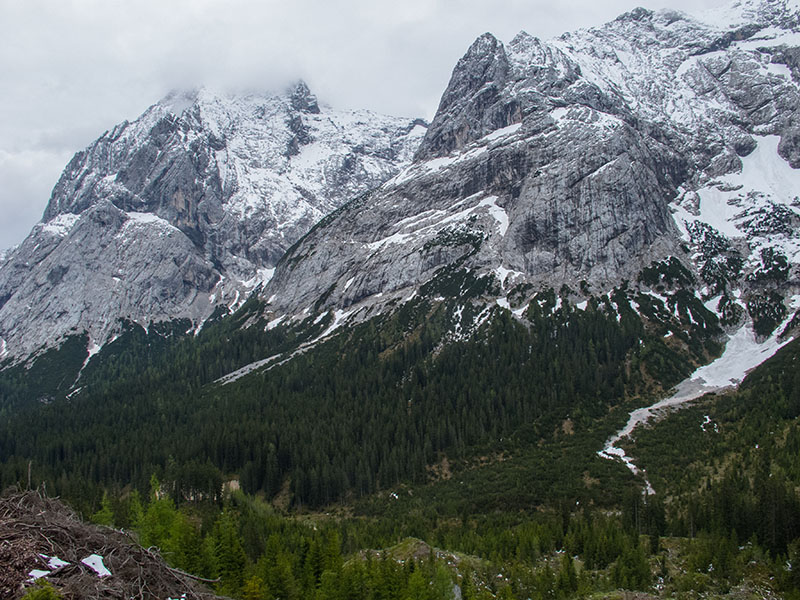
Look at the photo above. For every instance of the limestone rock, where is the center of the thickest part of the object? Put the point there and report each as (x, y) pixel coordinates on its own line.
(188, 207)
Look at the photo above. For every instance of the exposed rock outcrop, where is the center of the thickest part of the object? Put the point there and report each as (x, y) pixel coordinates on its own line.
(576, 159)
(188, 207)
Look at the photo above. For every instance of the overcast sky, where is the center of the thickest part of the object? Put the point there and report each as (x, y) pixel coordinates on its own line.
(71, 69)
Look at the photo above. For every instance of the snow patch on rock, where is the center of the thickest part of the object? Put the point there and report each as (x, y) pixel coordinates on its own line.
(61, 225)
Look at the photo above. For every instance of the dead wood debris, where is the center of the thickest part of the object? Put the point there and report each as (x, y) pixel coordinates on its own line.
(31, 525)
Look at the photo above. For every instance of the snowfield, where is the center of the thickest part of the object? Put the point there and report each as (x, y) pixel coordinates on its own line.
(741, 355)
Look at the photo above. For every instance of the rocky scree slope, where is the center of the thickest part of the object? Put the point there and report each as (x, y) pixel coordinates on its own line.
(582, 161)
(186, 208)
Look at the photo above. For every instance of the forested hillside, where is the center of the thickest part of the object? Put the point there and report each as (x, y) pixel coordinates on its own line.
(313, 354)
(484, 447)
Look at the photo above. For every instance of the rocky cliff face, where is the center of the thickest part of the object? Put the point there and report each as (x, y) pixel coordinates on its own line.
(586, 158)
(580, 160)
(187, 207)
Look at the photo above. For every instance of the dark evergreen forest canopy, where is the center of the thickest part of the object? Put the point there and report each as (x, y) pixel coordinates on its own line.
(394, 459)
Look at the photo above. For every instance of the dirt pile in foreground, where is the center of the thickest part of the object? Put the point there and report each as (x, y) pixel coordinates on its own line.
(42, 538)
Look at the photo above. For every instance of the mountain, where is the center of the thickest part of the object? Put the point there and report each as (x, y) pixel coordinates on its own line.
(593, 231)
(583, 161)
(186, 209)
(578, 161)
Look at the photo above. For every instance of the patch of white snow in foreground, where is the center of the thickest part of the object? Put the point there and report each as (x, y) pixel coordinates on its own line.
(54, 562)
(742, 354)
(95, 563)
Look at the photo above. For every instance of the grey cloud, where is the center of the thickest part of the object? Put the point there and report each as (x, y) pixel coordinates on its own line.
(25, 176)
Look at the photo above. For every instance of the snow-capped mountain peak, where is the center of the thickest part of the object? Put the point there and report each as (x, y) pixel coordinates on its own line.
(576, 161)
(584, 159)
(740, 13)
(189, 206)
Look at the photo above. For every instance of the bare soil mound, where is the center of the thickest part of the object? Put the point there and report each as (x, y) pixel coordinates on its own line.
(42, 538)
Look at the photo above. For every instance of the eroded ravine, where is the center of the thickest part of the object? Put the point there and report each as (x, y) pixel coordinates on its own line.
(742, 353)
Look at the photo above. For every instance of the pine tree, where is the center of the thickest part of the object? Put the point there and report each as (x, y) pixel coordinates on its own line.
(229, 554)
(135, 510)
(104, 516)
(567, 582)
(417, 587)
(442, 585)
(254, 589)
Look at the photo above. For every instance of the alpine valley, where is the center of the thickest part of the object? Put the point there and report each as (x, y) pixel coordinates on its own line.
(313, 353)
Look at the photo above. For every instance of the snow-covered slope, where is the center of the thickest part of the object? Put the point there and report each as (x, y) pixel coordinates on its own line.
(743, 352)
(585, 159)
(581, 161)
(188, 207)
(257, 169)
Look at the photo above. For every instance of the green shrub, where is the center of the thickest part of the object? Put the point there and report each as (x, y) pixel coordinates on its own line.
(42, 591)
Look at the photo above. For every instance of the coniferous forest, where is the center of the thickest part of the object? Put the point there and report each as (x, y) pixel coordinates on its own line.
(507, 351)
(398, 460)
